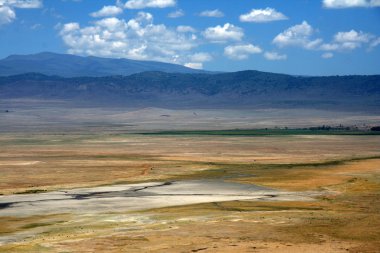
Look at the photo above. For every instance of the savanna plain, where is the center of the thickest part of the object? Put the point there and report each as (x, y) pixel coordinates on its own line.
(126, 186)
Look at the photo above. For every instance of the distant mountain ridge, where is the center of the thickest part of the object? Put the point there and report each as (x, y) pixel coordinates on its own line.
(244, 89)
(67, 65)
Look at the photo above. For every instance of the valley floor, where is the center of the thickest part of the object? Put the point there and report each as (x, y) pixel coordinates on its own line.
(102, 180)
(291, 193)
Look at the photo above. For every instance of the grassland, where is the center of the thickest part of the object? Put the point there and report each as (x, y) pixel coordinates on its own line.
(342, 170)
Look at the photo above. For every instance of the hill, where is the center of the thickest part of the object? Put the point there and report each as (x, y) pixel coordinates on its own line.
(245, 89)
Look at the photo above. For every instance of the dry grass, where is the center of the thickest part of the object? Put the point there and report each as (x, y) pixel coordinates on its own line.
(345, 218)
(48, 162)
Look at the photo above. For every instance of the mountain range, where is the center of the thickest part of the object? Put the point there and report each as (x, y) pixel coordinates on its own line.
(94, 81)
(67, 65)
(245, 89)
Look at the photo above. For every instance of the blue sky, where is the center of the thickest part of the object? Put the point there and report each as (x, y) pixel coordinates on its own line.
(305, 37)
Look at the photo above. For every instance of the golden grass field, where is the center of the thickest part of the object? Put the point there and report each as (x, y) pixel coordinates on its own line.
(344, 171)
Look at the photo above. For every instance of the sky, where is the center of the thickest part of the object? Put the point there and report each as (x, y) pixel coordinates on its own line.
(301, 37)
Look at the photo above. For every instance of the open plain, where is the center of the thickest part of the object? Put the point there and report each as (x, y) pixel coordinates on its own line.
(124, 191)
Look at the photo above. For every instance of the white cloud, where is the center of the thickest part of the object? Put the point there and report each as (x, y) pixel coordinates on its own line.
(221, 34)
(70, 27)
(350, 3)
(301, 36)
(298, 35)
(241, 52)
(23, 4)
(185, 29)
(176, 14)
(353, 36)
(7, 12)
(327, 55)
(107, 11)
(194, 65)
(274, 56)
(200, 57)
(138, 38)
(313, 44)
(350, 40)
(262, 15)
(212, 13)
(329, 47)
(7, 15)
(141, 4)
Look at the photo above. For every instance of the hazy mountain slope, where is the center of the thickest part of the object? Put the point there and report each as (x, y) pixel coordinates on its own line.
(74, 66)
(228, 90)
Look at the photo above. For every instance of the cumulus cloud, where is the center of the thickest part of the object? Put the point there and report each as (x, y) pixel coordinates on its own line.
(185, 29)
(352, 39)
(176, 14)
(274, 56)
(221, 34)
(345, 41)
(350, 3)
(138, 38)
(241, 52)
(302, 36)
(298, 35)
(327, 55)
(7, 12)
(262, 16)
(212, 13)
(107, 11)
(352, 36)
(141, 4)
